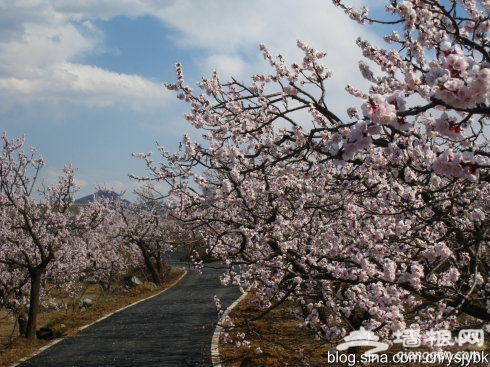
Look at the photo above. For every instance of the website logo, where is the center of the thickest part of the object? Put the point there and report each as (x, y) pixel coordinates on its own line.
(363, 338)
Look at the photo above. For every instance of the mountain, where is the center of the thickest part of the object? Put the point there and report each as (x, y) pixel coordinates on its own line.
(104, 194)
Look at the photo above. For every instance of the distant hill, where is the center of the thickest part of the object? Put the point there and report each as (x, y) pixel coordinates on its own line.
(104, 194)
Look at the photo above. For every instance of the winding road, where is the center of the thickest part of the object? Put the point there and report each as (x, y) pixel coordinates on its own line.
(172, 329)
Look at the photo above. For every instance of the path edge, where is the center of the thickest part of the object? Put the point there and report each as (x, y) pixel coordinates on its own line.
(56, 341)
(215, 356)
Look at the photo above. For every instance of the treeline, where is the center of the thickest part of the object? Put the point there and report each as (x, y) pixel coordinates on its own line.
(50, 246)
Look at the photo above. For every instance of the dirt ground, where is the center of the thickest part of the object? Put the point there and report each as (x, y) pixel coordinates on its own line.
(283, 343)
(277, 335)
(68, 322)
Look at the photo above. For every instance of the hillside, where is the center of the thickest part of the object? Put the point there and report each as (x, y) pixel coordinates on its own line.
(104, 194)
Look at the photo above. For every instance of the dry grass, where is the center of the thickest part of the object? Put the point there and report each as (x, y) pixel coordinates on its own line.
(277, 335)
(69, 322)
(281, 339)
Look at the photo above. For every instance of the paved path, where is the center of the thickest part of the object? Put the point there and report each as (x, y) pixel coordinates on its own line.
(171, 329)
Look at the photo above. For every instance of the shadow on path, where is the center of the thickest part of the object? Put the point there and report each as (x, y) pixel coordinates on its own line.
(171, 329)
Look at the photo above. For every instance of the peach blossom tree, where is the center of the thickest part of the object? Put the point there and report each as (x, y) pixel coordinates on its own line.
(379, 219)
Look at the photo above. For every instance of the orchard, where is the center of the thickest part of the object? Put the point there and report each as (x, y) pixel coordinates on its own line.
(377, 219)
(49, 246)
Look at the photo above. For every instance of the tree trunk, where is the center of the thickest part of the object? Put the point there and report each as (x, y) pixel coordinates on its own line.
(153, 264)
(356, 319)
(154, 271)
(163, 269)
(22, 323)
(35, 276)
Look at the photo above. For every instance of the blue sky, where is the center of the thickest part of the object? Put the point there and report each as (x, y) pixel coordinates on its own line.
(82, 79)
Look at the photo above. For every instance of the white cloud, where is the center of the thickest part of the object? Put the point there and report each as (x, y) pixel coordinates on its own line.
(83, 84)
(15, 14)
(229, 26)
(38, 59)
(18, 86)
(43, 42)
(217, 24)
(226, 65)
(102, 88)
(102, 9)
(42, 46)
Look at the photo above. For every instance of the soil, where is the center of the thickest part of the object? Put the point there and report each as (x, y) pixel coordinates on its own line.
(283, 343)
(68, 322)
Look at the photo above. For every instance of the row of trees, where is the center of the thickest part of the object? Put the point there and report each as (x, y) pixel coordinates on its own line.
(48, 242)
(377, 220)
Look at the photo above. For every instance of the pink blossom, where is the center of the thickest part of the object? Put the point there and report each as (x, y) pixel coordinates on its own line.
(379, 110)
